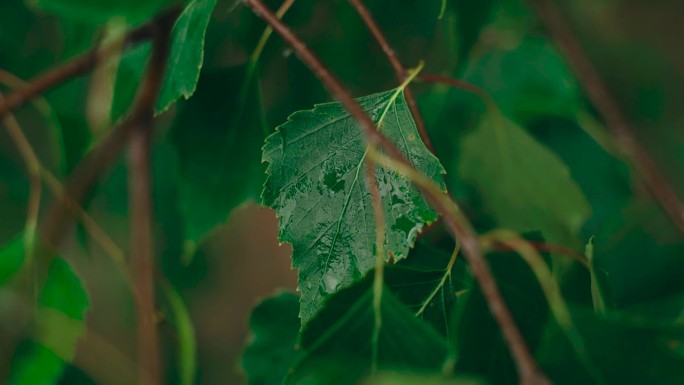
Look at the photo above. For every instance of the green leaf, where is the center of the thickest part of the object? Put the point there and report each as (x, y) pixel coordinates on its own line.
(527, 80)
(274, 325)
(184, 65)
(423, 283)
(187, 52)
(337, 343)
(317, 186)
(59, 325)
(12, 256)
(523, 184)
(100, 11)
(211, 136)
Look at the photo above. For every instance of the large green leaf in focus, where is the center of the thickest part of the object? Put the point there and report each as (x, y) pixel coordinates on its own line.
(218, 141)
(317, 186)
(184, 63)
(59, 325)
(271, 350)
(338, 342)
(523, 184)
(100, 11)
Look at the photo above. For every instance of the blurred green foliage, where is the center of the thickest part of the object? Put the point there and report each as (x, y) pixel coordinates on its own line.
(536, 157)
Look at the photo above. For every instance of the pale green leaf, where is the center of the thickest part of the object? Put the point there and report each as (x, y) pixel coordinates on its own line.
(523, 184)
(59, 325)
(318, 188)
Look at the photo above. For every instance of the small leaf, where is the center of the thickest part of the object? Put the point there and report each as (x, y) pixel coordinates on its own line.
(337, 343)
(184, 65)
(187, 53)
(274, 325)
(523, 184)
(317, 186)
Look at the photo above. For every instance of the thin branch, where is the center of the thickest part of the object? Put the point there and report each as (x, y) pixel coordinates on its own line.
(460, 84)
(462, 230)
(609, 109)
(77, 66)
(398, 68)
(550, 289)
(140, 197)
(459, 226)
(34, 170)
(54, 225)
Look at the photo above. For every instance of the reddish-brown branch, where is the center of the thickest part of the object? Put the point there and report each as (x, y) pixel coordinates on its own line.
(55, 223)
(527, 367)
(398, 68)
(609, 109)
(140, 197)
(456, 83)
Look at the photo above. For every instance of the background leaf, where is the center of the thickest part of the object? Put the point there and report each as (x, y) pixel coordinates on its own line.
(523, 184)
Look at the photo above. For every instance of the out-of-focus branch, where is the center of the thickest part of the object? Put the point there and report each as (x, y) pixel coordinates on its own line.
(77, 66)
(609, 109)
(141, 212)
